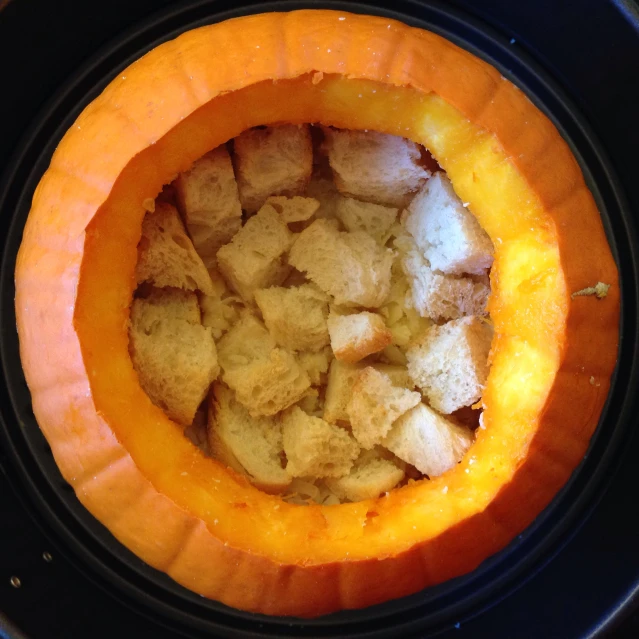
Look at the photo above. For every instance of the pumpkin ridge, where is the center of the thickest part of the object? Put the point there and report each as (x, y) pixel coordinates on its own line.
(118, 455)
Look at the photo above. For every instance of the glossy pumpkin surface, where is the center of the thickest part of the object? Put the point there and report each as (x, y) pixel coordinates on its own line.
(185, 514)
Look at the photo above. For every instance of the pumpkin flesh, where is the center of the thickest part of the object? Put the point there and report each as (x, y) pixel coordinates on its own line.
(136, 469)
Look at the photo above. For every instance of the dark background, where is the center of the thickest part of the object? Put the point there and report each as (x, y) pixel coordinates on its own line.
(591, 48)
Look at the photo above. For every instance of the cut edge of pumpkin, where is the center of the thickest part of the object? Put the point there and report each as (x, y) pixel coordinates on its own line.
(319, 533)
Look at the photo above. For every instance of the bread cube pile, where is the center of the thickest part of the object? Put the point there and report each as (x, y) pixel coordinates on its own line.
(311, 309)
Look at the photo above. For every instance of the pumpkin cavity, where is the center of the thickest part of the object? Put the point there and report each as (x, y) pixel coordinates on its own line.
(323, 330)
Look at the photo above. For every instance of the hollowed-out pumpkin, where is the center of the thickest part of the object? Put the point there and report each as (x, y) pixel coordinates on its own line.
(183, 513)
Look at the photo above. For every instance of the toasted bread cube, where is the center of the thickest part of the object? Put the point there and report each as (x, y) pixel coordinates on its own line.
(295, 317)
(351, 267)
(252, 446)
(450, 363)
(315, 448)
(341, 378)
(375, 167)
(173, 354)
(161, 304)
(276, 160)
(370, 476)
(428, 441)
(294, 209)
(266, 379)
(375, 404)
(375, 219)
(438, 296)
(166, 256)
(446, 232)
(354, 337)
(255, 257)
(208, 199)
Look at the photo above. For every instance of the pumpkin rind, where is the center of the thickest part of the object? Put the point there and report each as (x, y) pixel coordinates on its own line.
(133, 469)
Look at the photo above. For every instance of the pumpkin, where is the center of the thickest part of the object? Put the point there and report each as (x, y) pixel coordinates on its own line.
(183, 513)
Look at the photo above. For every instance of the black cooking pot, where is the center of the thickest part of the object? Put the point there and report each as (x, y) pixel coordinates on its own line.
(579, 63)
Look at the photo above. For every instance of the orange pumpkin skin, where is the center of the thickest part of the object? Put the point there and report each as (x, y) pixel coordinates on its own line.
(133, 469)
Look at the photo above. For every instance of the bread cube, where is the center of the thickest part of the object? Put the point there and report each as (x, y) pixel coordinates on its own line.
(315, 448)
(370, 476)
(375, 219)
(450, 363)
(375, 167)
(374, 405)
(295, 317)
(438, 296)
(266, 379)
(294, 209)
(252, 446)
(173, 354)
(255, 257)
(356, 336)
(446, 232)
(162, 304)
(351, 267)
(208, 199)
(423, 438)
(341, 378)
(166, 256)
(275, 160)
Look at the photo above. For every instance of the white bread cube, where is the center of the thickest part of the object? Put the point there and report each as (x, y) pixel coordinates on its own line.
(375, 404)
(342, 377)
(275, 160)
(351, 267)
(166, 256)
(438, 296)
(375, 167)
(375, 219)
(446, 232)
(315, 448)
(208, 199)
(371, 476)
(354, 337)
(294, 209)
(250, 445)
(423, 438)
(266, 379)
(295, 317)
(255, 257)
(173, 354)
(450, 363)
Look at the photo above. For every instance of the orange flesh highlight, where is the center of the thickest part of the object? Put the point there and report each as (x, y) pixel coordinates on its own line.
(528, 308)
